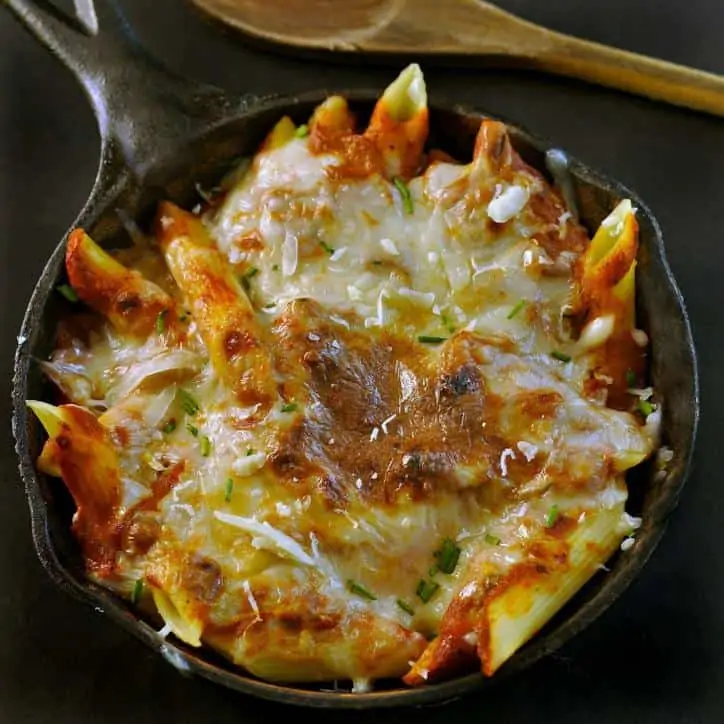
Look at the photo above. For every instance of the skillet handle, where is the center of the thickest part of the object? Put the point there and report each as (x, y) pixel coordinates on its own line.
(144, 110)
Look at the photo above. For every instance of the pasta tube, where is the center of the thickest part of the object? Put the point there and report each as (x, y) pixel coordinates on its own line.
(491, 616)
(223, 312)
(278, 643)
(131, 303)
(607, 290)
(79, 450)
(399, 123)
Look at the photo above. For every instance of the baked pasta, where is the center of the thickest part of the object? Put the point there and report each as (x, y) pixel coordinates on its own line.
(366, 414)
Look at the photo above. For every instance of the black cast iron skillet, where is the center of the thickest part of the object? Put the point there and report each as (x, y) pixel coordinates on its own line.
(161, 134)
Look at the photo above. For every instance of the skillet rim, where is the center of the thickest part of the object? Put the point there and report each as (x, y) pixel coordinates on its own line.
(186, 659)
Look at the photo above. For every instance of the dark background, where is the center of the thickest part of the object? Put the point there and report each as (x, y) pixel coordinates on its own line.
(658, 654)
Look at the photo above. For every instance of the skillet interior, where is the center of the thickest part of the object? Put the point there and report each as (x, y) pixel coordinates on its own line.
(661, 313)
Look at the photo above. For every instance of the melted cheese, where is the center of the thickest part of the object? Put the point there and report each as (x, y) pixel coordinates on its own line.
(451, 419)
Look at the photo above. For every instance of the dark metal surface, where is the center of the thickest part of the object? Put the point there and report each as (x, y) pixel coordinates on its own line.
(124, 667)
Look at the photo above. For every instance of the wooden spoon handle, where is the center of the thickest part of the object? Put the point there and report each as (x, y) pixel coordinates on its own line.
(657, 79)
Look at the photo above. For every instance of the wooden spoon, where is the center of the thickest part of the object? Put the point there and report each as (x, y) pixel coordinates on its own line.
(463, 29)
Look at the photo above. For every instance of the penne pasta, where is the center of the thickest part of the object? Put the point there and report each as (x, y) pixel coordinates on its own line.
(131, 303)
(399, 124)
(493, 153)
(491, 616)
(331, 119)
(607, 287)
(221, 308)
(178, 617)
(282, 133)
(79, 450)
(272, 648)
(515, 611)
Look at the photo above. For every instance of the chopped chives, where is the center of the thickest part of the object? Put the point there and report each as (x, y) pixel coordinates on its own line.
(492, 540)
(359, 590)
(249, 451)
(229, 489)
(170, 426)
(560, 356)
(193, 429)
(447, 556)
(161, 321)
(68, 292)
(405, 607)
(188, 403)
(137, 591)
(448, 324)
(302, 131)
(269, 305)
(517, 308)
(646, 407)
(405, 195)
(433, 570)
(275, 267)
(326, 247)
(247, 276)
(426, 590)
(552, 516)
(183, 316)
(289, 407)
(630, 378)
(205, 446)
(430, 339)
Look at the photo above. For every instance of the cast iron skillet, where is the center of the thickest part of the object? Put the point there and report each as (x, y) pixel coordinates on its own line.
(160, 135)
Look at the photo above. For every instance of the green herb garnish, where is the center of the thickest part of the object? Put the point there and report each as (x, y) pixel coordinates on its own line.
(161, 321)
(205, 446)
(137, 591)
(192, 429)
(188, 403)
(289, 407)
(275, 267)
(552, 516)
(426, 590)
(430, 339)
(492, 540)
(229, 489)
(447, 556)
(405, 607)
(561, 356)
(247, 276)
(326, 247)
(517, 308)
(249, 451)
(68, 292)
(448, 323)
(630, 378)
(359, 590)
(302, 131)
(402, 187)
(169, 427)
(645, 407)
